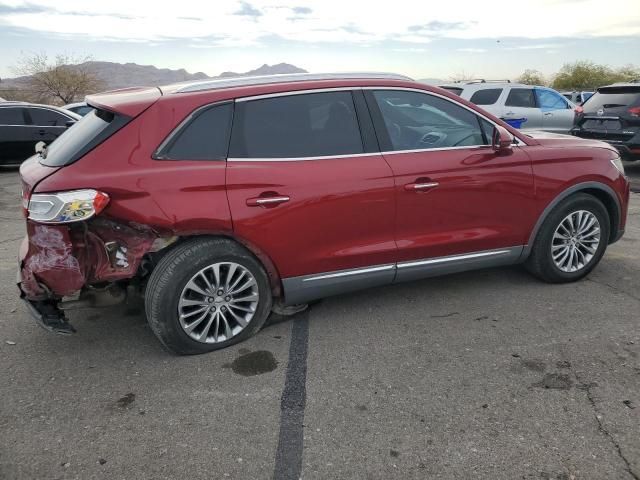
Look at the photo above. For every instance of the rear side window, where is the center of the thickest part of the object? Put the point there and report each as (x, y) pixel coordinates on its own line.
(43, 117)
(294, 126)
(82, 137)
(205, 136)
(521, 97)
(549, 100)
(11, 116)
(486, 97)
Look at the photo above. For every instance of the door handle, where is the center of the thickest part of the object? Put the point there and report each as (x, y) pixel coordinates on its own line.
(509, 113)
(267, 201)
(420, 187)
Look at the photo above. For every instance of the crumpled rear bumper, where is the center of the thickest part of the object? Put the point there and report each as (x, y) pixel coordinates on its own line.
(59, 260)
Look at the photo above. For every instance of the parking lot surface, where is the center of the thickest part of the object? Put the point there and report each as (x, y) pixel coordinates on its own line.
(487, 374)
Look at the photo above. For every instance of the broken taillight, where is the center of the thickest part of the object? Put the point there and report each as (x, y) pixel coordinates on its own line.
(66, 207)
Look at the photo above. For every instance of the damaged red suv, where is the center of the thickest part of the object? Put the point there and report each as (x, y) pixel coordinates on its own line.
(222, 200)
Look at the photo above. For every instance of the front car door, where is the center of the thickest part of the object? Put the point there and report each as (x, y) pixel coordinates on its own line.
(15, 138)
(558, 114)
(521, 103)
(459, 204)
(307, 184)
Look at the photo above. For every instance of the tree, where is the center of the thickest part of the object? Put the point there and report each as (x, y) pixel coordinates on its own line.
(64, 79)
(586, 75)
(532, 77)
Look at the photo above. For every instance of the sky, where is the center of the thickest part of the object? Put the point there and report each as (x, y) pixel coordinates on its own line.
(423, 39)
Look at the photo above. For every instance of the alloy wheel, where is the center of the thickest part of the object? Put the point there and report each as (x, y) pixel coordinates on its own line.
(218, 302)
(575, 241)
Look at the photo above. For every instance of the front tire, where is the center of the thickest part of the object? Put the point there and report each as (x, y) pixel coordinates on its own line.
(207, 294)
(571, 241)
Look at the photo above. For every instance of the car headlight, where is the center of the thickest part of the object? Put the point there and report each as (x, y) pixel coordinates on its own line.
(617, 162)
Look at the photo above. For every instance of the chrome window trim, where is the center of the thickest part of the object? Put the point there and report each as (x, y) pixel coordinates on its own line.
(346, 273)
(295, 92)
(303, 159)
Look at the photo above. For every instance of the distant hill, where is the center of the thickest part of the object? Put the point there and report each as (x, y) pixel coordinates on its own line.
(122, 75)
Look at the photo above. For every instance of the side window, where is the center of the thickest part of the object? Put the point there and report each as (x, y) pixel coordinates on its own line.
(205, 136)
(43, 117)
(521, 97)
(11, 116)
(419, 121)
(486, 97)
(549, 100)
(293, 126)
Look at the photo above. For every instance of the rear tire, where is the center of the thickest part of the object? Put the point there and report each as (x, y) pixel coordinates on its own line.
(207, 294)
(565, 248)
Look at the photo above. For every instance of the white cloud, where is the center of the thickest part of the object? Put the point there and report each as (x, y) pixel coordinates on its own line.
(472, 50)
(241, 23)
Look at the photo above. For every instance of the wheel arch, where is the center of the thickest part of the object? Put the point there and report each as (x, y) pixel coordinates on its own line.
(601, 191)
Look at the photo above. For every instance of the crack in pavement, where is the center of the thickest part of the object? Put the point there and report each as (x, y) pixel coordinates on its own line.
(601, 428)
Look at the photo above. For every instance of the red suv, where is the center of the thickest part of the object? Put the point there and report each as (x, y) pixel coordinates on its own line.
(222, 200)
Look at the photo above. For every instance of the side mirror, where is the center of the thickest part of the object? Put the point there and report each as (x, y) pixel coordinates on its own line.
(502, 141)
(40, 146)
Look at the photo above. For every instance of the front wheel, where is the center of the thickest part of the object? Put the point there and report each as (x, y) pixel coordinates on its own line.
(207, 294)
(571, 241)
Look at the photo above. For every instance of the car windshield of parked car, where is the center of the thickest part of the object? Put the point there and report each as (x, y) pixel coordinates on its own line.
(76, 138)
(296, 126)
(549, 100)
(416, 121)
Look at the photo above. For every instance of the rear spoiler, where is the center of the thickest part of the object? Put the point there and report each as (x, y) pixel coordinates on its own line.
(129, 102)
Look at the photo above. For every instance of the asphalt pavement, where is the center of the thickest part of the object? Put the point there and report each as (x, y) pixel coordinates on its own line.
(487, 374)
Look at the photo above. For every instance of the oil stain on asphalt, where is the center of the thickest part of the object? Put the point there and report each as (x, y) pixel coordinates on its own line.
(253, 363)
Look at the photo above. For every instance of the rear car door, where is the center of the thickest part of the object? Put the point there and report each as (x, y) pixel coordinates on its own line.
(521, 103)
(455, 196)
(47, 124)
(308, 187)
(558, 114)
(15, 137)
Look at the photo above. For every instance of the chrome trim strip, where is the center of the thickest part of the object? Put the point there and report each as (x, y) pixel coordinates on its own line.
(295, 92)
(285, 78)
(452, 258)
(262, 201)
(296, 159)
(346, 273)
(420, 186)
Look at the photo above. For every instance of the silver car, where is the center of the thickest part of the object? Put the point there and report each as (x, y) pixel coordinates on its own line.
(542, 107)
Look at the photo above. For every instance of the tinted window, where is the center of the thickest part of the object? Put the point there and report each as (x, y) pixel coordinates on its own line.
(82, 111)
(205, 136)
(521, 97)
(309, 125)
(549, 100)
(417, 121)
(43, 117)
(486, 97)
(11, 116)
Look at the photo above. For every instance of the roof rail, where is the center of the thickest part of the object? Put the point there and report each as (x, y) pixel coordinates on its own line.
(282, 78)
(482, 80)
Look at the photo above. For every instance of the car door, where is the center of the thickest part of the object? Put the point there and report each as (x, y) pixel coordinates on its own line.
(558, 114)
(458, 202)
(15, 137)
(308, 186)
(521, 103)
(47, 124)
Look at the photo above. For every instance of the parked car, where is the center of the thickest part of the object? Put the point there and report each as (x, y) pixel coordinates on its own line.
(577, 98)
(224, 198)
(80, 108)
(23, 125)
(542, 107)
(613, 115)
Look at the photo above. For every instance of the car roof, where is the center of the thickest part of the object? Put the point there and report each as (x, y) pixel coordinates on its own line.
(475, 85)
(73, 105)
(222, 83)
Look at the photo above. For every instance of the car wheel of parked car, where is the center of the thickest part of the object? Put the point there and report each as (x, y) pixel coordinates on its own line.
(571, 241)
(207, 294)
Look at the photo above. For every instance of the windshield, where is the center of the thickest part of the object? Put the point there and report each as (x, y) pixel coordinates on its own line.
(80, 138)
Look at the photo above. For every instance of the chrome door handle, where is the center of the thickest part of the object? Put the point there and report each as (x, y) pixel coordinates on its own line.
(412, 187)
(267, 201)
(547, 114)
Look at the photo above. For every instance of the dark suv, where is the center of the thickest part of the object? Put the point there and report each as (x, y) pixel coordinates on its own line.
(613, 115)
(23, 125)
